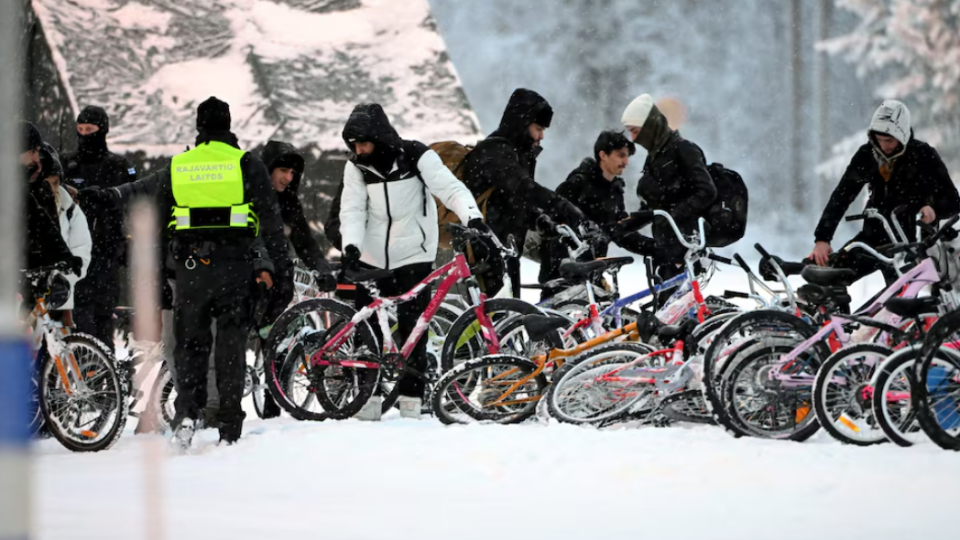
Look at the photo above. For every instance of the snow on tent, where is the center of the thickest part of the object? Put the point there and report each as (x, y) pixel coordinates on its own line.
(291, 70)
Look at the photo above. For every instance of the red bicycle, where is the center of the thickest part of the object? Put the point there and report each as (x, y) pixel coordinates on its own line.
(322, 352)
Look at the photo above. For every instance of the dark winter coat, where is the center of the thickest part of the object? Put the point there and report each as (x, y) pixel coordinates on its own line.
(919, 179)
(291, 211)
(268, 251)
(44, 243)
(675, 179)
(102, 169)
(506, 161)
(601, 201)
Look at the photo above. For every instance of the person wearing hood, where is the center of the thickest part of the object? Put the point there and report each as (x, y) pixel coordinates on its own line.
(898, 170)
(506, 161)
(227, 237)
(285, 166)
(596, 187)
(44, 244)
(389, 221)
(675, 179)
(73, 224)
(94, 166)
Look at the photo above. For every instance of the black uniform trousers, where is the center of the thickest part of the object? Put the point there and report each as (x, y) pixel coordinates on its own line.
(402, 280)
(96, 298)
(222, 291)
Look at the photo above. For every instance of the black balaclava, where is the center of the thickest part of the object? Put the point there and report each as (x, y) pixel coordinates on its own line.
(655, 131)
(93, 147)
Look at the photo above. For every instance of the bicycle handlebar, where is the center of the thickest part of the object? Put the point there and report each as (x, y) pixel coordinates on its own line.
(719, 258)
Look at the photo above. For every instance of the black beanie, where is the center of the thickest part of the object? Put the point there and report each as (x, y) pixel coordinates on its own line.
(31, 137)
(213, 115)
(91, 114)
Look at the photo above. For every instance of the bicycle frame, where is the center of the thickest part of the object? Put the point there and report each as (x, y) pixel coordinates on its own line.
(908, 285)
(450, 273)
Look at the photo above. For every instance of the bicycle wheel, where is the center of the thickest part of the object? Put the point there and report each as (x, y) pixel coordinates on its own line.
(164, 395)
(843, 394)
(739, 337)
(937, 392)
(893, 389)
(480, 391)
(582, 394)
(332, 391)
(465, 339)
(83, 398)
(767, 399)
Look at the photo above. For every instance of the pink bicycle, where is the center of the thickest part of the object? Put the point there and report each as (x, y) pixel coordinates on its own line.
(337, 358)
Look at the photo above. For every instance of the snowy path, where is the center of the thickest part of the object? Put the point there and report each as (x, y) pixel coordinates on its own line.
(354, 480)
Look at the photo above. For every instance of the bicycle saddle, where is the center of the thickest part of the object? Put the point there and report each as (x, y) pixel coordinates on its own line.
(911, 307)
(819, 275)
(581, 270)
(614, 263)
(540, 326)
(364, 275)
(789, 268)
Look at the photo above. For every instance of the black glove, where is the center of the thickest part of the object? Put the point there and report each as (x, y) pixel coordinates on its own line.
(572, 215)
(326, 281)
(104, 198)
(351, 257)
(74, 266)
(477, 224)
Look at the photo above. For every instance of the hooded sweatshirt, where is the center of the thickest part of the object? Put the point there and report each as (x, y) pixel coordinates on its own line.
(914, 176)
(386, 209)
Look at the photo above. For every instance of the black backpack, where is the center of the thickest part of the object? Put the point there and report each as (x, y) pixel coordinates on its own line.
(727, 216)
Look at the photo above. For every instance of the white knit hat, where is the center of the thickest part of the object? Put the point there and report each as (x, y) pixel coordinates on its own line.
(892, 118)
(637, 111)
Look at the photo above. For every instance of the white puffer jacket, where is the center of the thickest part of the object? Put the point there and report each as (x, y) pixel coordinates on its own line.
(393, 219)
(76, 233)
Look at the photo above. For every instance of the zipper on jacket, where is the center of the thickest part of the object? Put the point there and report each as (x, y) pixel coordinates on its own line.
(423, 243)
(386, 244)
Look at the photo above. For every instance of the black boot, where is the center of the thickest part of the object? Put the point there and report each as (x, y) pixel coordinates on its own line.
(270, 407)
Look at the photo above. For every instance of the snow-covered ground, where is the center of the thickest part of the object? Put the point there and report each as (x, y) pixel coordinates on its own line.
(403, 479)
(407, 479)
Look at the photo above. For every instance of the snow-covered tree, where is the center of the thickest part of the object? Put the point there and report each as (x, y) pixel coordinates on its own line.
(914, 48)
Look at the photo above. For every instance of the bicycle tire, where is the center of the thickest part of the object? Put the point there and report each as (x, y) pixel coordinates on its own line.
(111, 388)
(365, 383)
(163, 396)
(802, 428)
(584, 363)
(464, 342)
(857, 406)
(897, 418)
(941, 407)
(448, 385)
(715, 368)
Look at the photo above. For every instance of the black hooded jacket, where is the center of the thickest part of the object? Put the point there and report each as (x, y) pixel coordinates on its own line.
(44, 243)
(276, 154)
(93, 165)
(919, 179)
(506, 161)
